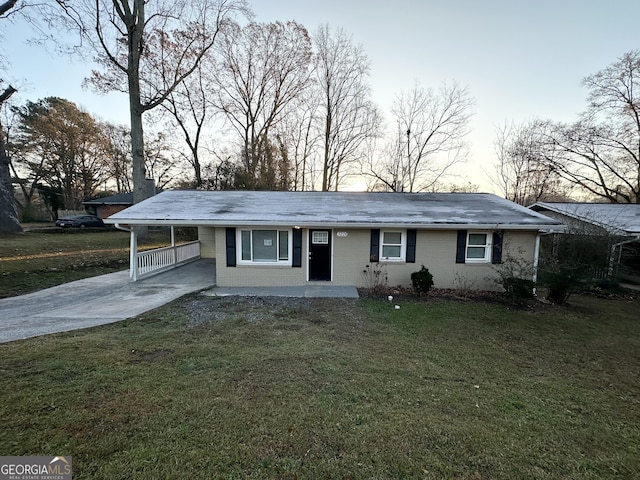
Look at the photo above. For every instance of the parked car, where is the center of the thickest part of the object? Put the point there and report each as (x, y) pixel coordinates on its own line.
(80, 221)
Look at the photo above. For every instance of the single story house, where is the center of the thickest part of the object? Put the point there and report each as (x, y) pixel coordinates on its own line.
(294, 238)
(617, 223)
(106, 206)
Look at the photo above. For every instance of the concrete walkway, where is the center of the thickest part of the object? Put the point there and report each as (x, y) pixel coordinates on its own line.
(325, 291)
(98, 300)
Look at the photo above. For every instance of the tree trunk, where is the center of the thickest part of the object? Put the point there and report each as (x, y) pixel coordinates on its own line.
(327, 144)
(9, 222)
(136, 28)
(137, 150)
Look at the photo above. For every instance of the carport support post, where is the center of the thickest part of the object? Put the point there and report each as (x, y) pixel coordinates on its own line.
(173, 245)
(133, 258)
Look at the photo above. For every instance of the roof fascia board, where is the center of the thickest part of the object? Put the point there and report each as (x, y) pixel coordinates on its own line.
(430, 226)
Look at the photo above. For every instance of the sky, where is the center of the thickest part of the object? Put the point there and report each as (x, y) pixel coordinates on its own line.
(520, 59)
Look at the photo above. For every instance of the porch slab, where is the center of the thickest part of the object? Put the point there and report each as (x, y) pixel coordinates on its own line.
(308, 291)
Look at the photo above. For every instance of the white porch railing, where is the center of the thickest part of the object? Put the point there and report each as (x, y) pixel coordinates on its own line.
(153, 261)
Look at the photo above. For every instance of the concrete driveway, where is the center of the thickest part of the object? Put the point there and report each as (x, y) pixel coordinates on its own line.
(98, 300)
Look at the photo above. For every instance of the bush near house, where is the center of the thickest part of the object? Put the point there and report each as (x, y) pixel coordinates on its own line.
(515, 276)
(571, 262)
(422, 281)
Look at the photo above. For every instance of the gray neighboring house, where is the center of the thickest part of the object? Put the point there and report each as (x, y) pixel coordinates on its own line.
(297, 238)
(620, 222)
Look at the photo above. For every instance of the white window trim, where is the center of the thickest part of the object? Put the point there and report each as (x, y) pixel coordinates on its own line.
(278, 262)
(488, 247)
(403, 246)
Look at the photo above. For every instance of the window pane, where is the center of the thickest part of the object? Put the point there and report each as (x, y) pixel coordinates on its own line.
(475, 252)
(246, 245)
(283, 245)
(394, 238)
(477, 239)
(320, 238)
(391, 251)
(265, 245)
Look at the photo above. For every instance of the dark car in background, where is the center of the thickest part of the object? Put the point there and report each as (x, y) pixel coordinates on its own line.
(80, 221)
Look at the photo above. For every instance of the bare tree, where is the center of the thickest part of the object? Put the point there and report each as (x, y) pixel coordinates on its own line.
(6, 6)
(159, 163)
(432, 126)
(299, 141)
(263, 69)
(347, 117)
(521, 172)
(600, 153)
(189, 110)
(118, 156)
(147, 49)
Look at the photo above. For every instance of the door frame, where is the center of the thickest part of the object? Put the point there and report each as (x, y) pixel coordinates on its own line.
(331, 241)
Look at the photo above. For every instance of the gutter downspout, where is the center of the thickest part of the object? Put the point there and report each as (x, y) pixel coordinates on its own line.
(133, 252)
(536, 261)
(612, 255)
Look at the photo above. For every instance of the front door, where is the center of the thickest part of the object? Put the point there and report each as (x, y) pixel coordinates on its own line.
(320, 255)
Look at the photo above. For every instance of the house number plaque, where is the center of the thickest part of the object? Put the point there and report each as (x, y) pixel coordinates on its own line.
(342, 234)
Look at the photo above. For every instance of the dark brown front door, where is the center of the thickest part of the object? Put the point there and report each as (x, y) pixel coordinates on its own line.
(320, 255)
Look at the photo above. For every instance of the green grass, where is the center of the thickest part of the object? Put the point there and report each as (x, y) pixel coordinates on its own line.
(45, 258)
(320, 388)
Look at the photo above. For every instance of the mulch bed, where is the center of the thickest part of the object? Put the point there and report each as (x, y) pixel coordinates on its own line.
(400, 293)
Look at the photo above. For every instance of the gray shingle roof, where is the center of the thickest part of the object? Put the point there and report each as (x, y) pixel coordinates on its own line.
(617, 218)
(337, 209)
(119, 199)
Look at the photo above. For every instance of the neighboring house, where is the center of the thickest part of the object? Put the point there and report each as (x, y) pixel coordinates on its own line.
(293, 238)
(106, 206)
(618, 223)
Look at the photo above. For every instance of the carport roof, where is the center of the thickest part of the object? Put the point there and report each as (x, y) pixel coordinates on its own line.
(333, 209)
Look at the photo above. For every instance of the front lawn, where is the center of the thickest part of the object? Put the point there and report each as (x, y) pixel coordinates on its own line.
(324, 388)
(44, 258)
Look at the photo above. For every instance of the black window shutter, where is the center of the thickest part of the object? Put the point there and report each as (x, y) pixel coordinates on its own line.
(496, 254)
(231, 247)
(462, 246)
(374, 254)
(297, 248)
(411, 246)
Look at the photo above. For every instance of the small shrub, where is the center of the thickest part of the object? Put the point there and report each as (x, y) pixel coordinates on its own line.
(422, 281)
(515, 277)
(375, 277)
(561, 282)
(518, 288)
(464, 285)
